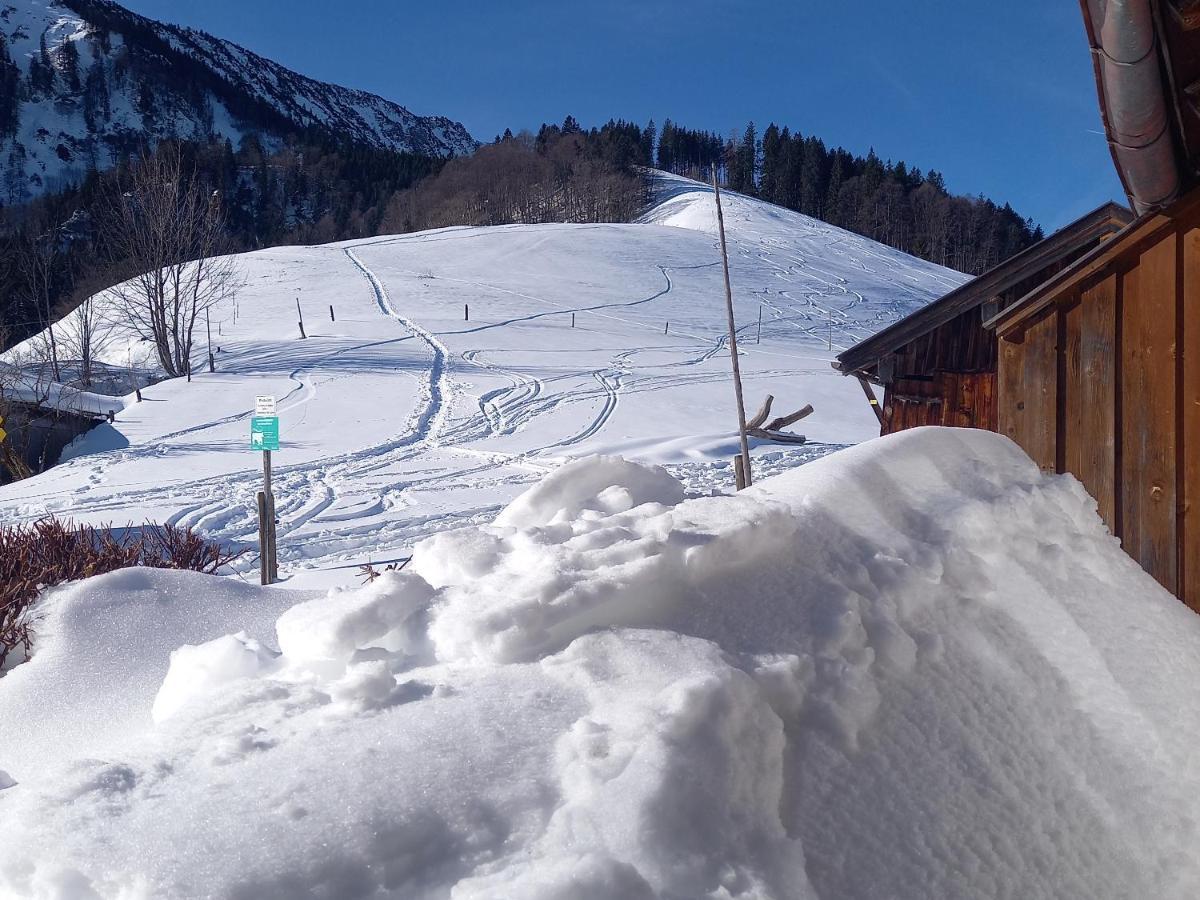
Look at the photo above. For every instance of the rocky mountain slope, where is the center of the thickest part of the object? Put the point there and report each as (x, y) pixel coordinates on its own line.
(83, 81)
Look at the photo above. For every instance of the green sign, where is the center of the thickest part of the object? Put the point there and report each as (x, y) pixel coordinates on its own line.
(264, 433)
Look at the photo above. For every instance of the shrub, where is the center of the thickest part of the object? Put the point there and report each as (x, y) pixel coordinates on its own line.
(50, 552)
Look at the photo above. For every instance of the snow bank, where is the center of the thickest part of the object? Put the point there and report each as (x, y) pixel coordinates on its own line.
(916, 668)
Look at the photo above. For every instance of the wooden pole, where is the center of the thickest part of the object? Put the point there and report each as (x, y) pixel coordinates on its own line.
(466, 313)
(332, 318)
(758, 340)
(866, 386)
(733, 350)
(739, 473)
(212, 365)
(272, 556)
(300, 313)
(264, 556)
(572, 320)
(666, 327)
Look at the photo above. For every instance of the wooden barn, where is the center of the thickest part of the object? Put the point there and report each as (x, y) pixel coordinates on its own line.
(938, 365)
(1098, 366)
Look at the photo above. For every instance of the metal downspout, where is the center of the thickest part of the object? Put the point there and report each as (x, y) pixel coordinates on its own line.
(1139, 126)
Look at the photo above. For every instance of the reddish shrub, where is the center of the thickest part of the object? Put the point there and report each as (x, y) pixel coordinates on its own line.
(50, 552)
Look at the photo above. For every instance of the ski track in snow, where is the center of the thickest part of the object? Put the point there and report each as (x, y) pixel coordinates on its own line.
(461, 451)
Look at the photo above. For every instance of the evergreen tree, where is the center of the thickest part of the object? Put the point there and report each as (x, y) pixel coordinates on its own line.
(68, 64)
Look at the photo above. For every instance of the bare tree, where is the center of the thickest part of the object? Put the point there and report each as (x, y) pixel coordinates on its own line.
(165, 225)
(36, 262)
(86, 334)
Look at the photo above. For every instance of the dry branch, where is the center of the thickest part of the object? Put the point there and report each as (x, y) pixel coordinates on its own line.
(773, 430)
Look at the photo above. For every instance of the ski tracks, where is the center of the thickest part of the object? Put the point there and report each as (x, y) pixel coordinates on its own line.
(430, 419)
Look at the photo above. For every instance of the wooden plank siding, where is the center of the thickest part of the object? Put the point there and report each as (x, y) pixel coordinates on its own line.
(1104, 383)
(1148, 404)
(1097, 455)
(1028, 376)
(1070, 428)
(1189, 446)
(962, 400)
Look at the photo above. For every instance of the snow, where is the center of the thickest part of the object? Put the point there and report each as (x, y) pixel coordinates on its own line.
(21, 386)
(401, 419)
(914, 668)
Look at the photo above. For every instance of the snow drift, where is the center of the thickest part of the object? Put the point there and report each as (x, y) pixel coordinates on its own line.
(916, 668)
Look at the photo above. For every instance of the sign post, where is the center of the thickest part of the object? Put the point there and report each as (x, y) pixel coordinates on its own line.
(264, 436)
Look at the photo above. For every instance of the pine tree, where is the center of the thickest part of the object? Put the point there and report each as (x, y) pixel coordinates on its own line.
(772, 164)
(747, 161)
(68, 61)
(649, 137)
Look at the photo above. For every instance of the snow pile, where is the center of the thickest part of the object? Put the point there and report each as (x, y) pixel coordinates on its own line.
(916, 668)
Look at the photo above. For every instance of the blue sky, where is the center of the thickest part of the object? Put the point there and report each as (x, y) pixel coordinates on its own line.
(998, 97)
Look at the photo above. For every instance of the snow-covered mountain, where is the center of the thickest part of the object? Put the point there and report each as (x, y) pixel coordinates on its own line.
(81, 81)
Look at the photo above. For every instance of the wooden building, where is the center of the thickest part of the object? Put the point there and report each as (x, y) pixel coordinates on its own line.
(938, 366)
(1098, 366)
(1100, 377)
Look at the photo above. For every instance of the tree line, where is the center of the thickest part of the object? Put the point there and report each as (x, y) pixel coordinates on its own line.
(561, 174)
(892, 203)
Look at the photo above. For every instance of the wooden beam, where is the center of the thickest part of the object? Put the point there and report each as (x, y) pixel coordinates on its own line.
(1139, 236)
(1187, 13)
(871, 398)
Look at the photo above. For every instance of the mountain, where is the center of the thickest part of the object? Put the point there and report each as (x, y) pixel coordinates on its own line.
(83, 82)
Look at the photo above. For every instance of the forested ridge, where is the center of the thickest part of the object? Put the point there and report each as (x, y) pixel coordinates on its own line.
(317, 190)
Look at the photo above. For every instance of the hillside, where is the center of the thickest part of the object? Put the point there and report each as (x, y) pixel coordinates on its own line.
(86, 81)
(401, 418)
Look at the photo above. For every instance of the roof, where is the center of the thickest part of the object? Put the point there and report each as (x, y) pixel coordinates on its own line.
(1107, 219)
(1144, 230)
(23, 387)
(1146, 56)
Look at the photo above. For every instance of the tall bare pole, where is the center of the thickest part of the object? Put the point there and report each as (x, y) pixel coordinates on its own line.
(733, 348)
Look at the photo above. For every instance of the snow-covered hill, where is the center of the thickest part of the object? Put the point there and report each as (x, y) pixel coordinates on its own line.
(402, 417)
(91, 79)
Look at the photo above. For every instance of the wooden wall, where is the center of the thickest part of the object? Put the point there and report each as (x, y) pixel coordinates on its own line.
(1105, 384)
(961, 399)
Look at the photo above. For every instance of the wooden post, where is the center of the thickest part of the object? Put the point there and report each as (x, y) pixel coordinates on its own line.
(758, 340)
(666, 327)
(466, 313)
(866, 386)
(212, 364)
(300, 313)
(739, 473)
(572, 320)
(264, 555)
(332, 318)
(267, 522)
(733, 350)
